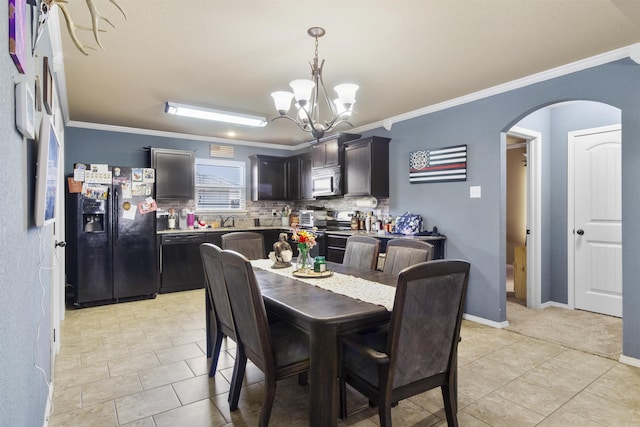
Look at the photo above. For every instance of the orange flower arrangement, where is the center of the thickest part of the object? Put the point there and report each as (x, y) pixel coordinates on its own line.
(303, 236)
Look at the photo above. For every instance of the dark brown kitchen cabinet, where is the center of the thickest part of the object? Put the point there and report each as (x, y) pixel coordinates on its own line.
(269, 178)
(366, 166)
(300, 177)
(326, 153)
(174, 173)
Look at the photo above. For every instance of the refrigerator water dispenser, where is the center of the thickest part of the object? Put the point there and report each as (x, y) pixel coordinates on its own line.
(93, 223)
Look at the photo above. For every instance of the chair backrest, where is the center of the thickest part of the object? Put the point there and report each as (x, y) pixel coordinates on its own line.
(249, 244)
(249, 313)
(426, 318)
(362, 252)
(402, 253)
(216, 287)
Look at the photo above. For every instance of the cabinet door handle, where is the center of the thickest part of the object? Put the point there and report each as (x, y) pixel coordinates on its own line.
(580, 232)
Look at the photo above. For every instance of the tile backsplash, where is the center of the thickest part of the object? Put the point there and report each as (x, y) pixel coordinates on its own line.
(262, 210)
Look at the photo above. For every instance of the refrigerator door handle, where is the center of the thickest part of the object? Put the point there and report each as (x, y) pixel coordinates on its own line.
(116, 204)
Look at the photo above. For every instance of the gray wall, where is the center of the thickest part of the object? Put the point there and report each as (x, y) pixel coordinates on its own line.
(476, 227)
(24, 279)
(125, 149)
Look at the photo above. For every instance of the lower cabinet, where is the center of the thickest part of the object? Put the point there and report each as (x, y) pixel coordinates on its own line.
(336, 245)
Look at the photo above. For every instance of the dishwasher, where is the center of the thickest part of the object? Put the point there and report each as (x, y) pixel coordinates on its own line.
(180, 263)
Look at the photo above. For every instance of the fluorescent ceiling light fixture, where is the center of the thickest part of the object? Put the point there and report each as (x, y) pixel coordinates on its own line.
(215, 115)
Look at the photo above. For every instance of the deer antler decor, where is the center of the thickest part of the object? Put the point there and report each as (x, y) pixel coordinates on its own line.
(46, 5)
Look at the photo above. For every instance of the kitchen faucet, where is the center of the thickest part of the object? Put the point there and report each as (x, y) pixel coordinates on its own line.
(223, 221)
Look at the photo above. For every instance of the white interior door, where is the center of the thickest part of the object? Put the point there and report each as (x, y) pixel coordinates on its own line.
(597, 231)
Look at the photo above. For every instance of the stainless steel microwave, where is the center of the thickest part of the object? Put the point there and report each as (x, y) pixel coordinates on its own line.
(326, 182)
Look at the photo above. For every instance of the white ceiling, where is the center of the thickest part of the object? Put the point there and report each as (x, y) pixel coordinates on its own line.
(404, 54)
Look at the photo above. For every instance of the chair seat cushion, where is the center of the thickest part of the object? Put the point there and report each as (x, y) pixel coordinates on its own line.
(290, 344)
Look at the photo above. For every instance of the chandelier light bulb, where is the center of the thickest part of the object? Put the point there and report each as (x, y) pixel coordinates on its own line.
(282, 100)
(303, 115)
(347, 94)
(341, 109)
(302, 89)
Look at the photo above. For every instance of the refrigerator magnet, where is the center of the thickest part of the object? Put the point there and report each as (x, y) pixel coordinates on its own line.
(149, 175)
(146, 207)
(136, 174)
(126, 190)
(129, 214)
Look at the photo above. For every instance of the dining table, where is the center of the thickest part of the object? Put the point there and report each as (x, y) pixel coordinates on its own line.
(324, 315)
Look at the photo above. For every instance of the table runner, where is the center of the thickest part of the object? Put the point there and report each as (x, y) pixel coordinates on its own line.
(351, 286)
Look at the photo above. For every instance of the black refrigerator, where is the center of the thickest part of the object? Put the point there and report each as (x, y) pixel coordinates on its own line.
(111, 241)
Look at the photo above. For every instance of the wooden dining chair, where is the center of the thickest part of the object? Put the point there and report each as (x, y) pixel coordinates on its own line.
(418, 350)
(247, 243)
(402, 253)
(279, 350)
(220, 318)
(362, 252)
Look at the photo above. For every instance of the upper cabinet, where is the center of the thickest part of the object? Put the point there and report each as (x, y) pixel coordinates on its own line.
(300, 177)
(366, 165)
(269, 178)
(328, 151)
(174, 173)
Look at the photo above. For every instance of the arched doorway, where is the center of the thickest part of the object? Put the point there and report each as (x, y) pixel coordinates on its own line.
(548, 241)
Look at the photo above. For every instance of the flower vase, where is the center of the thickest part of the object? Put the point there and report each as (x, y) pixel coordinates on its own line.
(304, 262)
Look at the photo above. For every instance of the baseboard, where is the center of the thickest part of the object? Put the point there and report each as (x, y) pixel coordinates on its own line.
(47, 409)
(487, 322)
(554, 304)
(629, 361)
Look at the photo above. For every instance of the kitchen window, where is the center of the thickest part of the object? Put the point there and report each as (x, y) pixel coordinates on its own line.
(220, 185)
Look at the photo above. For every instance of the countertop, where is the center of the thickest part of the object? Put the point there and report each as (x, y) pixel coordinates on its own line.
(279, 227)
(223, 229)
(384, 235)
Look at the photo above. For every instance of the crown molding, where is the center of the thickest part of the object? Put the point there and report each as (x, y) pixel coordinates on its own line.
(632, 51)
(177, 135)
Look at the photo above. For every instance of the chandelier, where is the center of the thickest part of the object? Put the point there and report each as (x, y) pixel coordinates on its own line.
(310, 93)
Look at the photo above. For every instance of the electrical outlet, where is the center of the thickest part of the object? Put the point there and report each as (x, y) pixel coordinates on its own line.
(274, 212)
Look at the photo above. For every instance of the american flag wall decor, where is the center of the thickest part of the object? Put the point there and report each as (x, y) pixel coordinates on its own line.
(439, 165)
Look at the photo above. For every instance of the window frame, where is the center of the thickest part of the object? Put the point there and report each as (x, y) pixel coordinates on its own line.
(242, 187)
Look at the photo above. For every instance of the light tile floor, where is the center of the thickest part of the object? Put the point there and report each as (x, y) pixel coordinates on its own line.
(143, 364)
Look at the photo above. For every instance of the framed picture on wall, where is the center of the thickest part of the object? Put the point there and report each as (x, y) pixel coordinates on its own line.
(17, 33)
(444, 164)
(47, 90)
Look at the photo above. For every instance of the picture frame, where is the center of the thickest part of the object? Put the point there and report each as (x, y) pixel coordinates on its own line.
(38, 93)
(444, 164)
(17, 33)
(47, 90)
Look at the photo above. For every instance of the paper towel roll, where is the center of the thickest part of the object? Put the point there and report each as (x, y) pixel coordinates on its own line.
(369, 202)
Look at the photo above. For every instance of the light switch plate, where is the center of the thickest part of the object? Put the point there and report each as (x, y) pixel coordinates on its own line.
(475, 192)
(24, 110)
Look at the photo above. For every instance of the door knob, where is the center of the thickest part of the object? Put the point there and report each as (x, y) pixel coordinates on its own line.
(60, 244)
(580, 232)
